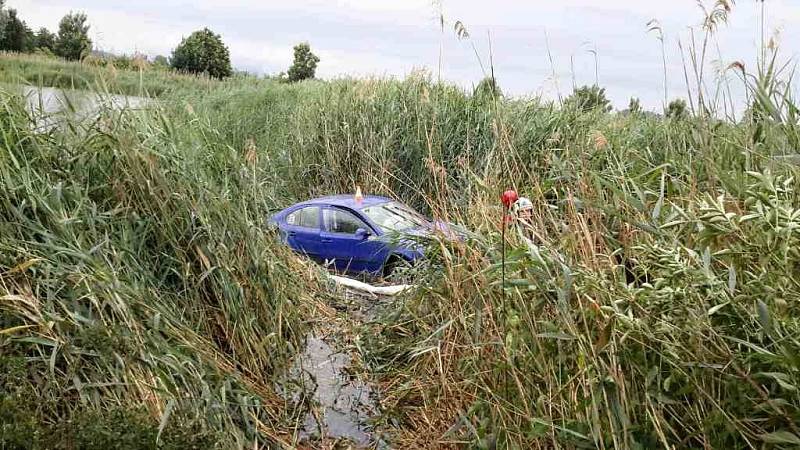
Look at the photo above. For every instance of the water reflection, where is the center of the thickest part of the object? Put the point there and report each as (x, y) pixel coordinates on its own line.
(50, 106)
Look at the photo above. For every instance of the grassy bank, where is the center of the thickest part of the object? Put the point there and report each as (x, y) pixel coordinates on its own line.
(655, 305)
(46, 71)
(656, 308)
(139, 288)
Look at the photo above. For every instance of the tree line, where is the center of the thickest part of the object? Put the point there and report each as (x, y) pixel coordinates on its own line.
(202, 52)
(70, 42)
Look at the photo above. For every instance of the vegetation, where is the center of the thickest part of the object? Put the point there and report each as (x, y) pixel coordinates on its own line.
(17, 36)
(677, 109)
(488, 87)
(72, 42)
(203, 52)
(634, 106)
(305, 63)
(143, 301)
(126, 283)
(640, 318)
(97, 74)
(161, 61)
(45, 40)
(588, 98)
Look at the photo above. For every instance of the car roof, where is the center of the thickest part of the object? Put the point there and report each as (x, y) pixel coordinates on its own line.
(347, 200)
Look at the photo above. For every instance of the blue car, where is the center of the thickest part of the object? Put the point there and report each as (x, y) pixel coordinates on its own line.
(369, 235)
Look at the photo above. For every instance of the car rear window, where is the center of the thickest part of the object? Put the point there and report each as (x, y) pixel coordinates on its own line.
(338, 221)
(307, 217)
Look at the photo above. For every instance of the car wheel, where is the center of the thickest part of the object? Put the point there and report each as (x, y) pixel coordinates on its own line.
(392, 264)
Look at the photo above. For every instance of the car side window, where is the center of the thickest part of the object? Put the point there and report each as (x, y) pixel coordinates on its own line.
(338, 221)
(307, 217)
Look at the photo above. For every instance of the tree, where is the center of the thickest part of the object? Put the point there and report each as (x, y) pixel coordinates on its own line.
(28, 38)
(203, 52)
(305, 63)
(17, 37)
(3, 20)
(589, 98)
(161, 61)
(44, 39)
(677, 109)
(73, 41)
(634, 106)
(488, 87)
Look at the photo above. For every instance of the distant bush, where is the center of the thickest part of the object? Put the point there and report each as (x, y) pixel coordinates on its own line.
(488, 87)
(203, 52)
(45, 40)
(161, 61)
(634, 106)
(588, 98)
(677, 109)
(44, 53)
(305, 63)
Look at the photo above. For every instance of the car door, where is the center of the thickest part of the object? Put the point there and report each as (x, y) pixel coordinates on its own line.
(348, 251)
(303, 231)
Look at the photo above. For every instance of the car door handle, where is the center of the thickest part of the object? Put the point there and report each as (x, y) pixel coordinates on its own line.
(326, 241)
(291, 233)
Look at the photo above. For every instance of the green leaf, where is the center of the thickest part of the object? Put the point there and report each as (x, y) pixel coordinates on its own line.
(559, 336)
(165, 418)
(605, 335)
(772, 403)
(783, 380)
(38, 340)
(716, 308)
(731, 279)
(15, 329)
(518, 282)
(660, 202)
(764, 317)
(781, 437)
(750, 345)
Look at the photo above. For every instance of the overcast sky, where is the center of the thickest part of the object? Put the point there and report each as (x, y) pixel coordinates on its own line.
(392, 38)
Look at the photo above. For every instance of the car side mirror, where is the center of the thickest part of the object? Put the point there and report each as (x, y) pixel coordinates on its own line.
(362, 234)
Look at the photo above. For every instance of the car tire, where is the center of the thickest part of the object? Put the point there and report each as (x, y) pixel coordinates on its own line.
(391, 264)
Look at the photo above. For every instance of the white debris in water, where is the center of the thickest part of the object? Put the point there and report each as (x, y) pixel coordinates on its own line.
(376, 290)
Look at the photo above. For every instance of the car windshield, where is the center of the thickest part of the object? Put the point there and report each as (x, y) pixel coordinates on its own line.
(395, 216)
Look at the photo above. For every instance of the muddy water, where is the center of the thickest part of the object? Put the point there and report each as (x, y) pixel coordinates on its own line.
(341, 405)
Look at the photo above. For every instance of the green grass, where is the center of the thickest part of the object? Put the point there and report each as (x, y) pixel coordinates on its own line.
(136, 272)
(658, 308)
(37, 70)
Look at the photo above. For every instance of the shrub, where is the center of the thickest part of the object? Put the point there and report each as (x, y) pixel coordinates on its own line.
(588, 98)
(304, 65)
(203, 52)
